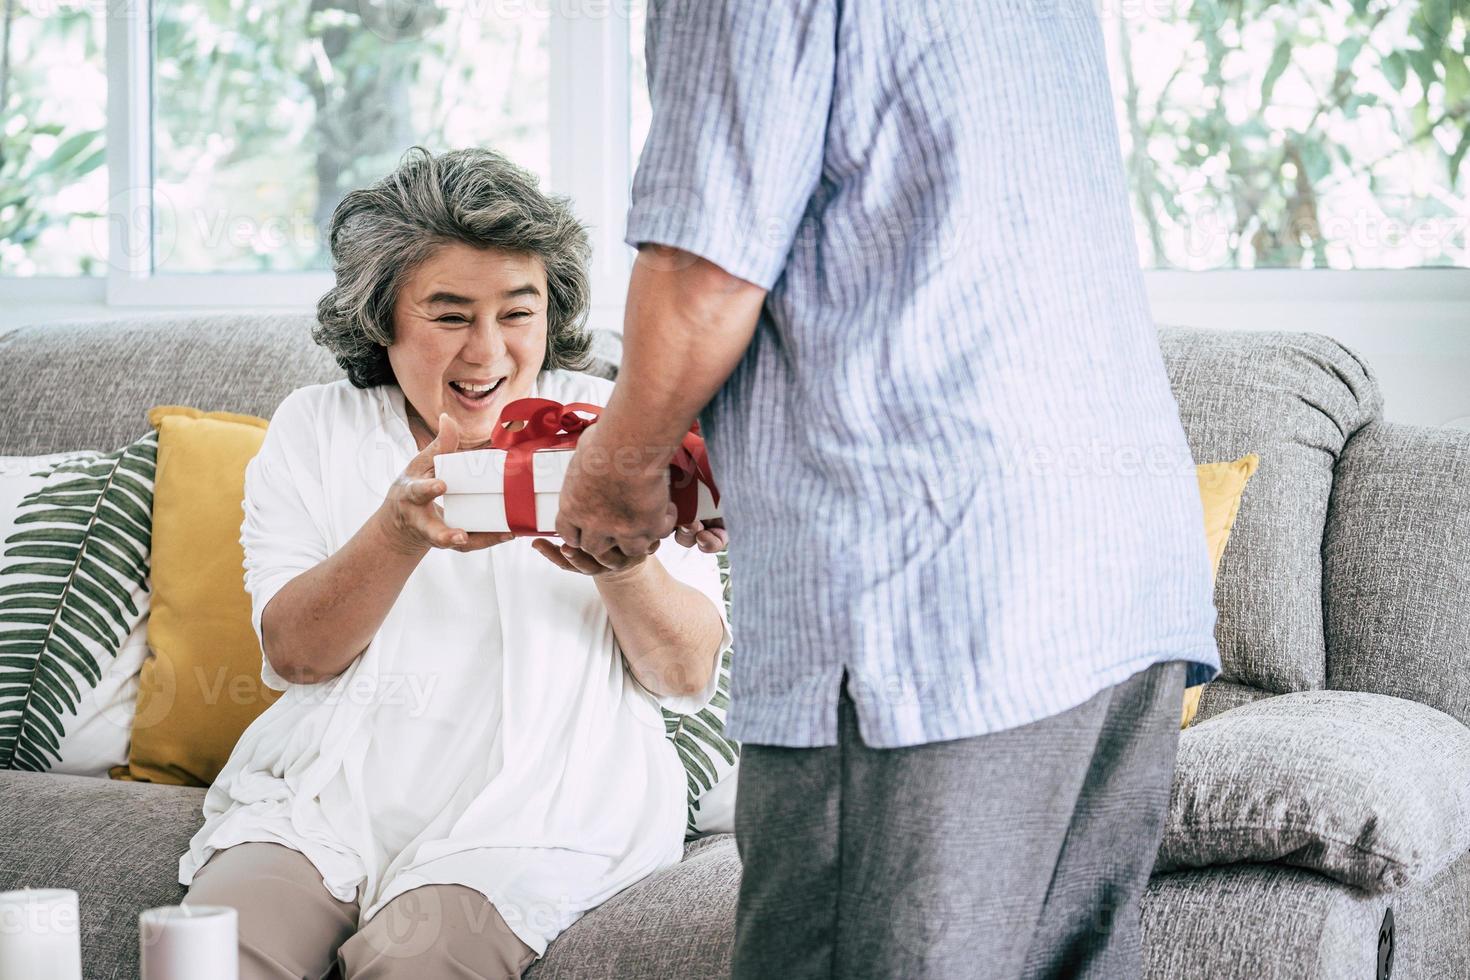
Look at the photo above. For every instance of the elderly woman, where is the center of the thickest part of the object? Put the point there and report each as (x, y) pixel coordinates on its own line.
(468, 753)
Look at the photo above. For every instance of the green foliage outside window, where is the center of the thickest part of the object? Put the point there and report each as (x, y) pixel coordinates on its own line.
(1297, 133)
(1257, 133)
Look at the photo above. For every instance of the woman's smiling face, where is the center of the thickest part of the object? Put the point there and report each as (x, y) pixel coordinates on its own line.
(467, 318)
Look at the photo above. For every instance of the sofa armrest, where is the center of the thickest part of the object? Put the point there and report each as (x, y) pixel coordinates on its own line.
(1396, 566)
(1366, 789)
(1266, 922)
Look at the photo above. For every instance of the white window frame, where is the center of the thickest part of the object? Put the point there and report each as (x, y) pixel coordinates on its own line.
(1371, 306)
(589, 108)
(589, 113)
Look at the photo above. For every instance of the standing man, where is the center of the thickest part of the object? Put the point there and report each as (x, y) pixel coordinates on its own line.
(885, 247)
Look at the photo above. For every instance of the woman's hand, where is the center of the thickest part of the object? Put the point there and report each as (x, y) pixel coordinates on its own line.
(710, 536)
(572, 559)
(413, 522)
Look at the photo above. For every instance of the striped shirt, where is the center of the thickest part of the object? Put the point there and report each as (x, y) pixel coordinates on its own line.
(952, 461)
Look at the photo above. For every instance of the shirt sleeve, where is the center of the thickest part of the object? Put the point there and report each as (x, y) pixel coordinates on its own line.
(693, 567)
(283, 533)
(740, 94)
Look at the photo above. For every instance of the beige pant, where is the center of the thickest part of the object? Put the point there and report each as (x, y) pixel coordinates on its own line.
(292, 928)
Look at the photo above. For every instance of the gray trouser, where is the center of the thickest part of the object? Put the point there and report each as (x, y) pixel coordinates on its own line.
(1018, 854)
(292, 928)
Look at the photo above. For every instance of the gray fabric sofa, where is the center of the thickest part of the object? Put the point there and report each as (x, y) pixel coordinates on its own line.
(1349, 569)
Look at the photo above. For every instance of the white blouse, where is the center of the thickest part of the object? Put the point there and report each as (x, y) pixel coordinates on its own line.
(491, 734)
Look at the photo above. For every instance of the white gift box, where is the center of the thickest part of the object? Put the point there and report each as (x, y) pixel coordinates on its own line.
(474, 495)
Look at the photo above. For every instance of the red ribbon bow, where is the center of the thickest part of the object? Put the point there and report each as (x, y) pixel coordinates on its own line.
(552, 425)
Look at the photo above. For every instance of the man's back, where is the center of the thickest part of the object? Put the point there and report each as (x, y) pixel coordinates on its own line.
(953, 462)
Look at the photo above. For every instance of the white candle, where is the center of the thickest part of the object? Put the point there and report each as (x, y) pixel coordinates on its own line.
(39, 935)
(189, 942)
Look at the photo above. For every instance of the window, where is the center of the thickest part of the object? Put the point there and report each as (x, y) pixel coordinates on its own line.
(236, 126)
(191, 152)
(1313, 134)
(641, 113)
(53, 185)
(266, 114)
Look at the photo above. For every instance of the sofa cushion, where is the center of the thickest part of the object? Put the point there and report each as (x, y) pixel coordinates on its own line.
(1221, 486)
(1397, 564)
(674, 925)
(1367, 789)
(200, 687)
(1293, 398)
(117, 844)
(74, 551)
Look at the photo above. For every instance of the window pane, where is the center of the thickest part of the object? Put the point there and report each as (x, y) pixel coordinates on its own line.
(268, 112)
(1323, 134)
(641, 113)
(53, 178)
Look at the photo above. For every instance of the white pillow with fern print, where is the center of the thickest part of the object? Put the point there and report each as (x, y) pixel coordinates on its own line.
(711, 758)
(75, 536)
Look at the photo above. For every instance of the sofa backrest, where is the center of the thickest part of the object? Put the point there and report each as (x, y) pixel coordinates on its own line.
(1396, 566)
(88, 385)
(1295, 399)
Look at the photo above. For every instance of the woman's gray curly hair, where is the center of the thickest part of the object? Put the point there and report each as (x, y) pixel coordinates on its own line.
(381, 233)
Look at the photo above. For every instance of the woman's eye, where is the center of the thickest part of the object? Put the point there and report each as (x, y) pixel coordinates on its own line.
(518, 315)
(451, 319)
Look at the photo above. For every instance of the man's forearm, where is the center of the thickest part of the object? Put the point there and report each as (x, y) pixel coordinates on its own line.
(688, 323)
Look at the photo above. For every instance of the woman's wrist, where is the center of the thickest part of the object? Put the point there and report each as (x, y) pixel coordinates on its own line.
(631, 575)
(391, 537)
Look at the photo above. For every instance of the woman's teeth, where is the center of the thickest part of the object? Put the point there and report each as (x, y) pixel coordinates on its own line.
(475, 392)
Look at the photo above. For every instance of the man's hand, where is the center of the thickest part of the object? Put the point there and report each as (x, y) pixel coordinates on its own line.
(688, 324)
(615, 505)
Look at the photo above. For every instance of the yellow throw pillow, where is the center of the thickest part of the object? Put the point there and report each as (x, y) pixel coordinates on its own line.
(200, 686)
(1221, 485)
